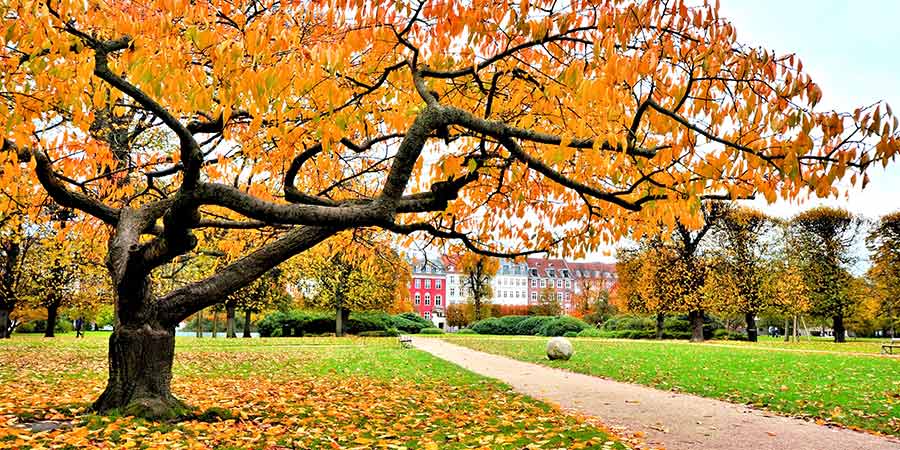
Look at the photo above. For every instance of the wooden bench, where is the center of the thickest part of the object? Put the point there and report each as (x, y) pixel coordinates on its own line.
(889, 348)
(405, 341)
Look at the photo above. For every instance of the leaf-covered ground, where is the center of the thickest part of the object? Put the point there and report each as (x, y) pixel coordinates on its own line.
(280, 394)
(855, 391)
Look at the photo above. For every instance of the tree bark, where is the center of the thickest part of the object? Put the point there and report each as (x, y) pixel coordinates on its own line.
(342, 315)
(247, 323)
(140, 374)
(4, 323)
(787, 330)
(229, 321)
(215, 324)
(752, 332)
(660, 323)
(52, 313)
(696, 318)
(839, 331)
(199, 324)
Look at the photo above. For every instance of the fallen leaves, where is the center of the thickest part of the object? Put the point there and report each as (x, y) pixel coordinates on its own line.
(284, 406)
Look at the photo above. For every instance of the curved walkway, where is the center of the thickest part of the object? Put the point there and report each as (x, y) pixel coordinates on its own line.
(671, 420)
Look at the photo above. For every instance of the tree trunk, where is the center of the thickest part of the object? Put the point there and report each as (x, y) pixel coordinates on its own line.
(476, 303)
(660, 322)
(199, 325)
(839, 331)
(696, 318)
(4, 323)
(215, 324)
(341, 316)
(52, 312)
(247, 323)
(787, 330)
(229, 322)
(752, 333)
(140, 374)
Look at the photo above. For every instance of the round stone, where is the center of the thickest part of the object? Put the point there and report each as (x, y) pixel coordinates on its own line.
(559, 348)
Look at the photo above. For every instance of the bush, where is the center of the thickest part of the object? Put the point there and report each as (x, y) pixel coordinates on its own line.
(63, 325)
(726, 335)
(590, 332)
(560, 325)
(431, 330)
(570, 334)
(410, 322)
(390, 332)
(629, 323)
(532, 326)
(466, 331)
(368, 321)
(505, 325)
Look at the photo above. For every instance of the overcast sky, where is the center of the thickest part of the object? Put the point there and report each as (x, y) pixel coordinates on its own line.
(850, 49)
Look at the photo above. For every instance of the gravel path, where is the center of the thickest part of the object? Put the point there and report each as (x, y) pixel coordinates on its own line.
(671, 420)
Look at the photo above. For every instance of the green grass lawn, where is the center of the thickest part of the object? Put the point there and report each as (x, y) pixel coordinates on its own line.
(851, 390)
(853, 345)
(280, 394)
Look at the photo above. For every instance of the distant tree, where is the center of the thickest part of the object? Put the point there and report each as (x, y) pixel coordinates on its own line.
(266, 292)
(741, 250)
(822, 241)
(477, 272)
(353, 271)
(548, 304)
(884, 246)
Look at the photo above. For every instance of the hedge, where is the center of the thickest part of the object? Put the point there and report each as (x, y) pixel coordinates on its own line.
(505, 325)
(590, 332)
(431, 330)
(559, 326)
(532, 326)
(466, 331)
(304, 323)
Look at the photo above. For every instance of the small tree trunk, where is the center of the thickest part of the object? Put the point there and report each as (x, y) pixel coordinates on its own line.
(140, 374)
(660, 322)
(199, 325)
(839, 331)
(787, 330)
(751, 327)
(215, 324)
(4, 323)
(341, 316)
(696, 318)
(796, 330)
(52, 312)
(229, 322)
(247, 323)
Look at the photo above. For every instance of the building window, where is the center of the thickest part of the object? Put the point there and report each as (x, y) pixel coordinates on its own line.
(418, 283)
(452, 292)
(534, 296)
(568, 284)
(559, 284)
(427, 299)
(543, 283)
(437, 284)
(418, 298)
(428, 284)
(551, 273)
(534, 282)
(428, 315)
(559, 297)
(437, 300)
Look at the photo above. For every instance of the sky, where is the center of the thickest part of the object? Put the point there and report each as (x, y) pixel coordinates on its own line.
(850, 49)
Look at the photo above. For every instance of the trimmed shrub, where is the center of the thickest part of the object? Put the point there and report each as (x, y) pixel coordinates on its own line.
(391, 332)
(560, 325)
(368, 321)
(629, 323)
(570, 334)
(410, 322)
(726, 335)
(431, 330)
(532, 325)
(466, 331)
(498, 325)
(590, 332)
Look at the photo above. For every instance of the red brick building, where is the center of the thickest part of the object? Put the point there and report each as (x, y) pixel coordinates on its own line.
(428, 290)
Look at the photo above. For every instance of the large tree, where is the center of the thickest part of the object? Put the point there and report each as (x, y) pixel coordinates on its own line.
(508, 127)
(743, 246)
(883, 242)
(822, 240)
(477, 273)
(353, 271)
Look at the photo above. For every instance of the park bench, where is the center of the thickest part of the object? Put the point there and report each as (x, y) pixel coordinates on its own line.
(889, 348)
(405, 341)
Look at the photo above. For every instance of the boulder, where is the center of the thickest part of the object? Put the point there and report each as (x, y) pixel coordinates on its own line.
(559, 348)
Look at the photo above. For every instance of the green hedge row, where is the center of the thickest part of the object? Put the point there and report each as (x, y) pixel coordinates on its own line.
(637, 327)
(529, 325)
(304, 323)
